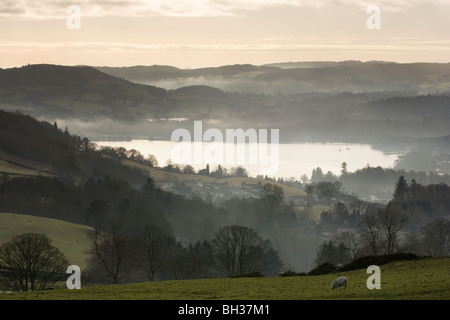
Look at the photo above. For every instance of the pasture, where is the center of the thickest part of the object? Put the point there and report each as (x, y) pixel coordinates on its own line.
(425, 279)
(70, 238)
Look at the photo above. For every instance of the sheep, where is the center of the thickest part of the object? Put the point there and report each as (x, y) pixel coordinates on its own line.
(341, 281)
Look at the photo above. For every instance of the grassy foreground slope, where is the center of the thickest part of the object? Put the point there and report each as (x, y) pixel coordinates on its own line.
(412, 280)
(70, 238)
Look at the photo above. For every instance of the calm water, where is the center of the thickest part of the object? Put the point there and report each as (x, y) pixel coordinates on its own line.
(290, 160)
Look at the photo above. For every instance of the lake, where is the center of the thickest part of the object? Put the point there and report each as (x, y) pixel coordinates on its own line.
(283, 160)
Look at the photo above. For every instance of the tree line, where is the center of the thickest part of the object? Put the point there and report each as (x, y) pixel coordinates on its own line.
(416, 220)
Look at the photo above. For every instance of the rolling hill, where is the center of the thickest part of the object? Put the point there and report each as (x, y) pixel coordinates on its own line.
(70, 238)
(82, 92)
(298, 77)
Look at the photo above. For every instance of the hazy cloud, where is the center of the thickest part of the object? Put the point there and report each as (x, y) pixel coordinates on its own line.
(396, 44)
(53, 9)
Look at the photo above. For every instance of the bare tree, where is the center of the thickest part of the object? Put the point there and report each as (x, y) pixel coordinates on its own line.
(30, 262)
(110, 248)
(391, 220)
(371, 233)
(436, 237)
(238, 249)
(151, 250)
(351, 241)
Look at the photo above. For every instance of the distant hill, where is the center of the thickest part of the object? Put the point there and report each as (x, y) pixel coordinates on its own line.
(299, 77)
(372, 102)
(82, 92)
(204, 91)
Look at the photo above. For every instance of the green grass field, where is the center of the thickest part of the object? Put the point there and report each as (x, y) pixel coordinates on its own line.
(71, 239)
(426, 279)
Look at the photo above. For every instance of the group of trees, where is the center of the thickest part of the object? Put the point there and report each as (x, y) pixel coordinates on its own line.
(381, 235)
(30, 262)
(219, 172)
(415, 220)
(151, 254)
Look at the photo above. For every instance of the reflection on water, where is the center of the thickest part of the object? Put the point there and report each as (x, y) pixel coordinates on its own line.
(294, 160)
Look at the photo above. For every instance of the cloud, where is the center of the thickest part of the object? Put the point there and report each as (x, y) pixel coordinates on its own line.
(56, 9)
(394, 44)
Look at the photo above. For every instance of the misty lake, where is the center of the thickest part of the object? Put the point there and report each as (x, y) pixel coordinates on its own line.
(289, 160)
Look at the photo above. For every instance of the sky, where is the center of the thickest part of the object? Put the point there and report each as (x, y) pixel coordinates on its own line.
(202, 33)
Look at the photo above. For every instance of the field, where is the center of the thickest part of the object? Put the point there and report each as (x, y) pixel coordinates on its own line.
(71, 239)
(425, 279)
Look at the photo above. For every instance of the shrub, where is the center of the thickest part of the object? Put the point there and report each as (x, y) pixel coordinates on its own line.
(364, 262)
(323, 268)
(255, 274)
(290, 273)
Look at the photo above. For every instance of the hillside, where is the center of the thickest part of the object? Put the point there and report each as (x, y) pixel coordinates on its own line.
(89, 186)
(72, 239)
(424, 279)
(163, 176)
(82, 92)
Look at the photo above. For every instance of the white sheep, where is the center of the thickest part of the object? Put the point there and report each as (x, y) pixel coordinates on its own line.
(341, 281)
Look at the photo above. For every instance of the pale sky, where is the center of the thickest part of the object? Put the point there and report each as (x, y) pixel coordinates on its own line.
(200, 33)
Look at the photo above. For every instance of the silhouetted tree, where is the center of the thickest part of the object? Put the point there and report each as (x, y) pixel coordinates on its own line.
(332, 253)
(30, 262)
(110, 248)
(238, 250)
(151, 249)
(436, 237)
(391, 220)
(401, 189)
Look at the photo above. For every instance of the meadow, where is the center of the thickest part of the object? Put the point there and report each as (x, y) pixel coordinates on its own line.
(424, 279)
(70, 238)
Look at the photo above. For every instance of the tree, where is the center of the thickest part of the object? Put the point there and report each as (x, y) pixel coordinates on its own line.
(332, 253)
(151, 159)
(317, 175)
(371, 231)
(436, 237)
(304, 179)
(401, 189)
(151, 250)
(97, 214)
(272, 194)
(188, 169)
(239, 172)
(86, 145)
(327, 191)
(350, 240)
(30, 262)
(344, 168)
(238, 250)
(391, 220)
(110, 249)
